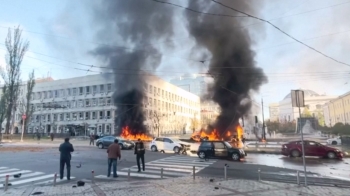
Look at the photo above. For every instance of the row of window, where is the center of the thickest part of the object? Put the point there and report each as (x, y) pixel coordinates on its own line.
(75, 104)
(74, 116)
(73, 91)
(59, 128)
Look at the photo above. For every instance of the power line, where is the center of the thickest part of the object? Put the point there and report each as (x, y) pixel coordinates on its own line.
(196, 11)
(257, 18)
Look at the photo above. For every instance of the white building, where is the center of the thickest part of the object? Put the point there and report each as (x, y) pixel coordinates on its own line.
(84, 104)
(313, 103)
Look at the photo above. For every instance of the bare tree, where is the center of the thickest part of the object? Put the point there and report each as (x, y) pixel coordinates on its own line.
(16, 50)
(25, 103)
(194, 124)
(156, 119)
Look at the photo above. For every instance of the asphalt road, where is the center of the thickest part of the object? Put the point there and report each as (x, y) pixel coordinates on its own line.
(39, 167)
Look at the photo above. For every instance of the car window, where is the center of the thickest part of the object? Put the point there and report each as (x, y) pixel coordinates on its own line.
(168, 140)
(312, 143)
(219, 145)
(206, 144)
(159, 139)
(228, 144)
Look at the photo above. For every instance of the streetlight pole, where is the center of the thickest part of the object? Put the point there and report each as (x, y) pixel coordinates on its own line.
(263, 128)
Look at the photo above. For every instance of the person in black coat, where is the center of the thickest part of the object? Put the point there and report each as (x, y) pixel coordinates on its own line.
(140, 154)
(66, 149)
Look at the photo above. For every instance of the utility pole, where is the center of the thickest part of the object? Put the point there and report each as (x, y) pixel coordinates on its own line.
(263, 128)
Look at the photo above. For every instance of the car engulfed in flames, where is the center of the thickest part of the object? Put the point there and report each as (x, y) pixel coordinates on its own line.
(128, 135)
(233, 136)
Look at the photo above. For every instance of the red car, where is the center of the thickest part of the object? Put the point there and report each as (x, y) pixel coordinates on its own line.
(294, 149)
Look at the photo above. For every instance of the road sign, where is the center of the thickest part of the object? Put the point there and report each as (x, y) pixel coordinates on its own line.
(24, 116)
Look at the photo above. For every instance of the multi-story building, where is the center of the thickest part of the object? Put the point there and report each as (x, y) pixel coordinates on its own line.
(337, 110)
(85, 104)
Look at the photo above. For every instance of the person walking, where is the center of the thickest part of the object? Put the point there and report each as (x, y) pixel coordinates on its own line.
(92, 139)
(66, 149)
(113, 154)
(52, 136)
(140, 154)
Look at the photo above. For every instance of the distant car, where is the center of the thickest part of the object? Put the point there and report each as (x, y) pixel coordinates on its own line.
(334, 141)
(294, 149)
(105, 141)
(219, 149)
(168, 144)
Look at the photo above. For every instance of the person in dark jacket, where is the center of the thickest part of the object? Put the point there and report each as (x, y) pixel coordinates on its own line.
(66, 149)
(140, 154)
(92, 139)
(113, 154)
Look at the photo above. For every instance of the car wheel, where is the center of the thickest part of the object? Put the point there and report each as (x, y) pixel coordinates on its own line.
(100, 146)
(331, 155)
(154, 148)
(235, 156)
(121, 146)
(201, 155)
(334, 142)
(176, 150)
(295, 153)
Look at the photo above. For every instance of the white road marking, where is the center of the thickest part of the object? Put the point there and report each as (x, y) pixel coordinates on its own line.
(165, 172)
(8, 170)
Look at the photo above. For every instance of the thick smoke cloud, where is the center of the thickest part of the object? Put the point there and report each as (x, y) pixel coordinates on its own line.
(133, 24)
(232, 64)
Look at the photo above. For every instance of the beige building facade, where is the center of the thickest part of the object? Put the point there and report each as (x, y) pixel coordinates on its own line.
(337, 110)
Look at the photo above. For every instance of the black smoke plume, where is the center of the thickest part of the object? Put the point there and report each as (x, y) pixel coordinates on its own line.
(232, 65)
(128, 28)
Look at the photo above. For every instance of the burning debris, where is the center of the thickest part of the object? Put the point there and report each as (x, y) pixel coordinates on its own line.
(232, 64)
(127, 134)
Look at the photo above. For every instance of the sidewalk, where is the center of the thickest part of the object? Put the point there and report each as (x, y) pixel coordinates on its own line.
(181, 186)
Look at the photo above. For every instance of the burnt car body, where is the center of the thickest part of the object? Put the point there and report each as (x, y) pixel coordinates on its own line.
(219, 149)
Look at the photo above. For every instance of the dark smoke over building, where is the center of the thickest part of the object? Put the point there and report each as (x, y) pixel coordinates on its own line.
(127, 28)
(232, 63)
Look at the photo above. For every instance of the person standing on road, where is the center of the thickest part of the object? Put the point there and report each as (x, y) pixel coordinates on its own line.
(140, 154)
(92, 139)
(113, 154)
(52, 136)
(66, 149)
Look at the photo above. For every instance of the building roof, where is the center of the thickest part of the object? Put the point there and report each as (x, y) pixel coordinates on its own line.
(307, 93)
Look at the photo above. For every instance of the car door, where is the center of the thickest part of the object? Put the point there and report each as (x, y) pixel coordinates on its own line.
(208, 148)
(108, 141)
(168, 144)
(311, 148)
(160, 143)
(220, 149)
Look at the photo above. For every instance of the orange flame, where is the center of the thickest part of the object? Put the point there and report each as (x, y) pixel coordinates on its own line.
(126, 134)
(214, 135)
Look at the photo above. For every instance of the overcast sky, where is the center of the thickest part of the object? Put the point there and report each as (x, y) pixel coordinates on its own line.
(63, 29)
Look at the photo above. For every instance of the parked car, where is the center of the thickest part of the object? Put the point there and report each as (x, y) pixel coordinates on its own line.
(219, 149)
(167, 144)
(105, 141)
(294, 149)
(334, 141)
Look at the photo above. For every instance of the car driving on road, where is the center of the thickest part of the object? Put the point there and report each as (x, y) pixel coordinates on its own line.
(168, 144)
(219, 149)
(294, 149)
(105, 141)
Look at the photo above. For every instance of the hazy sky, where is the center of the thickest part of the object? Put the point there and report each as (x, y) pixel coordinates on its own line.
(64, 29)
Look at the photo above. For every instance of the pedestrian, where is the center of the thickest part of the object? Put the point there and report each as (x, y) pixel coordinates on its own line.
(66, 149)
(113, 154)
(92, 139)
(52, 136)
(140, 154)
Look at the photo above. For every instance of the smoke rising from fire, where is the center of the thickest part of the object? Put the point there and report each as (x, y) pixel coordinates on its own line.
(133, 24)
(232, 64)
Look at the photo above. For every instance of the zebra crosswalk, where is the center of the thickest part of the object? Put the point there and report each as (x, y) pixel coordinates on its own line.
(174, 166)
(26, 178)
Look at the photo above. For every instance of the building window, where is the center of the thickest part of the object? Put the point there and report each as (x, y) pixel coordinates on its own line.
(101, 115)
(108, 101)
(93, 115)
(102, 88)
(74, 104)
(109, 88)
(150, 88)
(88, 90)
(56, 93)
(48, 118)
(54, 117)
(94, 102)
(44, 95)
(68, 116)
(108, 116)
(75, 116)
(87, 115)
(101, 102)
(80, 103)
(62, 93)
(68, 92)
(74, 91)
(155, 91)
(87, 103)
(94, 89)
(81, 90)
(61, 117)
(150, 102)
(69, 105)
(81, 117)
(108, 128)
